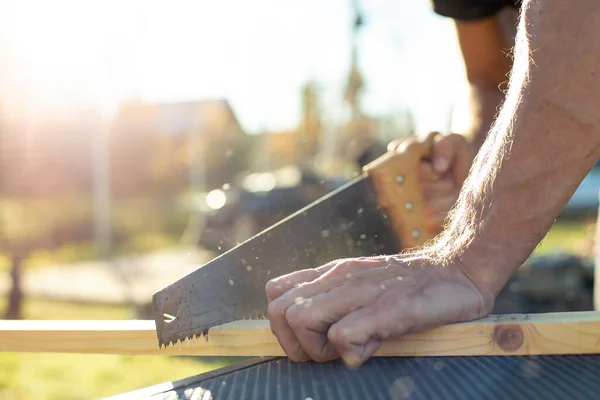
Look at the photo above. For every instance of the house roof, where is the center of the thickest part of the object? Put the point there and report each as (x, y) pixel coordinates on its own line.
(180, 117)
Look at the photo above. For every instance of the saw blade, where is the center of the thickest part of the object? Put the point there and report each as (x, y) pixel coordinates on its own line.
(348, 222)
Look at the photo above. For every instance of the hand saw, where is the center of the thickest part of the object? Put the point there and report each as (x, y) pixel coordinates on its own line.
(379, 212)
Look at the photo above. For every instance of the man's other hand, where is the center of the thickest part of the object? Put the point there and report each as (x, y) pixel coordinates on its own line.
(348, 307)
(443, 176)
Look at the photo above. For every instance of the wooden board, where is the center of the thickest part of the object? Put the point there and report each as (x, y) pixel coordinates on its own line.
(530, 334)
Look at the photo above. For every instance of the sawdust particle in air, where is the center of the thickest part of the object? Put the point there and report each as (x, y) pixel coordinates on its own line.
(231, 282)
(299, 300)
(348, 275)
(363, 236)
(325, 233)
(249, 268)
(360, 211)
(383, 286)
(399, 278)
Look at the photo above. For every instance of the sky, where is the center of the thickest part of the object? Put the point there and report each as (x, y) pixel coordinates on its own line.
(257, 54)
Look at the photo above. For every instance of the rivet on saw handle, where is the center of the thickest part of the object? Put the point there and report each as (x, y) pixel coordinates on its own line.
(395, 177)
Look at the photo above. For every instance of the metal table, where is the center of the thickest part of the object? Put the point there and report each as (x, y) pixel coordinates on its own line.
(481, 377)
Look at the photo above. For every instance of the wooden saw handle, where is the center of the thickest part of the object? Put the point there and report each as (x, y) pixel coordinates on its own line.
(395, 177)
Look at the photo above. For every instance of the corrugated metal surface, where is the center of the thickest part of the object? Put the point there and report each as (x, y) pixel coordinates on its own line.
(541, 377)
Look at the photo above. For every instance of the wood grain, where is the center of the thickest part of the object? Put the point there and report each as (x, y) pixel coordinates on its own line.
(529, 334)
(395, 178)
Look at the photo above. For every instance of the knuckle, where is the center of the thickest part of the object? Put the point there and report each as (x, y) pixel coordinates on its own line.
(271, 288)
(275, 310)
(340, 337)
(296, 317)
(341, 267)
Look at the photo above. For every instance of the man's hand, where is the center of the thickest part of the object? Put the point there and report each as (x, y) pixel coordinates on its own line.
(443, 176)
(347, 307)
(546, 139)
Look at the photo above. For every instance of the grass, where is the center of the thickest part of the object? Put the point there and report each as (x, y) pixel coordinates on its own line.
(573, 236)
(79, 376)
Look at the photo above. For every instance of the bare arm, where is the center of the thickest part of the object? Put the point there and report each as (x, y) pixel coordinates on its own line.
(545, 141)
(485, 45)
(485, 48)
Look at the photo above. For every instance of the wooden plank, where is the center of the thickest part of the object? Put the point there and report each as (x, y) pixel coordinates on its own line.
(530, 334)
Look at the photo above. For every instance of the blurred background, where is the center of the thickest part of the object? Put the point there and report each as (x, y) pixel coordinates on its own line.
(139, 139)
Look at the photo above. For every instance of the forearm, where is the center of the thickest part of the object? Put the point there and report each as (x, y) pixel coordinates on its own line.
(483, 103)
(545, 140)
(484, 46)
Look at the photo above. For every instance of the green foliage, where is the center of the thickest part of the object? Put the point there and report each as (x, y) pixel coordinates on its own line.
(567, 236)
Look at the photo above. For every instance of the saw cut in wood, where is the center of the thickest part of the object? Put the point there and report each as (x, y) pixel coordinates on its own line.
(519, 334)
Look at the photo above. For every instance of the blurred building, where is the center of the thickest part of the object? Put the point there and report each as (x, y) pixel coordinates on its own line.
(177, 145)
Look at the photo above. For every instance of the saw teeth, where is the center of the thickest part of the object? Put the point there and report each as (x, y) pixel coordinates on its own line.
(182, 341)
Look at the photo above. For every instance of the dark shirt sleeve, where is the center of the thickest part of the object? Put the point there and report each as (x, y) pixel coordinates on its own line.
(469, 9)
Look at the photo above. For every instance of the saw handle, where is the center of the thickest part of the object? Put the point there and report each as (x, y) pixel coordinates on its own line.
(395, 177)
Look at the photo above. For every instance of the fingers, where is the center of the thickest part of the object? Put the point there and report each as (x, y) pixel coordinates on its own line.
(355, 337)
(439, 194)
(282, 293)
(278, 286)
(409, 309)
(437, 211)
(427, 173)
(275, 288)
(359, 334)
(289, 312)
(439, 197)
(284, 334)
(452, 153)
(311, 318)
(434, 184)
(395, 144)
